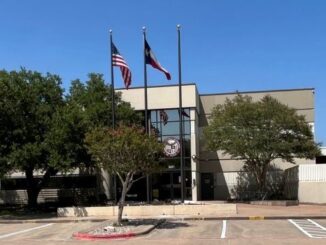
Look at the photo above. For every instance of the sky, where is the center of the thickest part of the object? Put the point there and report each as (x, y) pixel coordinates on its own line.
(227, 45)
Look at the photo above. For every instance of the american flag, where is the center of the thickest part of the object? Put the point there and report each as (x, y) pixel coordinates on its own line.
(118, 60)
(164, 117)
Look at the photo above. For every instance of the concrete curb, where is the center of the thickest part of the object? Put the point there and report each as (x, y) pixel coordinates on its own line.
(256, 217)
(49, 221)
(87, 236)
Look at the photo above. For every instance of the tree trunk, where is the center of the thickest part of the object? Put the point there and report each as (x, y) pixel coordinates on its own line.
(262, 178)
(32, 190)
(32, 194)
(122, 202)
(34, 186)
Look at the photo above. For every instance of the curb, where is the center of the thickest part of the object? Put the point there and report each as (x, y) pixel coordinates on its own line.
(258, 217)
(87, 236)
(15, 221)
(255, 217)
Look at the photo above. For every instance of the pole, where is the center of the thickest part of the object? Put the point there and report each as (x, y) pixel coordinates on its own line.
(113, 116)
(112, 85)
(146, 111)
(180, 118)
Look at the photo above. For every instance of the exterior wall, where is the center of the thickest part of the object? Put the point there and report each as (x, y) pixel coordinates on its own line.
(164, 97)
(312, 192)
(223, 168)
(307, 183)
(48, 195)
(323, 151)
(62, 188)
(302, 100)
(194, 151)
(227, 183)
(167, 97)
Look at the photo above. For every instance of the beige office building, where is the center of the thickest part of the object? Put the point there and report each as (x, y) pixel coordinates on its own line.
(208, 175)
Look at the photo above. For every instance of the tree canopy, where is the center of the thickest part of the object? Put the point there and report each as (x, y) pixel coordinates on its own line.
(127, 152)
(259, 132)
(43, 130)
(28, 102)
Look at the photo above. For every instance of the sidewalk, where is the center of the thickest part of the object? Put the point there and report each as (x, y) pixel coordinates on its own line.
(244, 211)
(281, 212)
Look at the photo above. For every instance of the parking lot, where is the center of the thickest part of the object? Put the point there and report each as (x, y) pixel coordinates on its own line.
(303, 231)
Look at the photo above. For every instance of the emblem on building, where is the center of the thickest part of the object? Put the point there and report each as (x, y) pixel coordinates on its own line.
(171, 147)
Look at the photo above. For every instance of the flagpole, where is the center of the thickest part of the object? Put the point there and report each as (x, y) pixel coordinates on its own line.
(113, 114)
(112, 84)
(146, 111)
(180, 117)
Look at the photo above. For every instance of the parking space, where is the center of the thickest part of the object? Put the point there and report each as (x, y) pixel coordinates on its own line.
(11, 228)
(189, 230)
(320, 221)
(261, 229)
(309, 227)
(60, 231)
(173, 232)
(232, 232)
(38, 232)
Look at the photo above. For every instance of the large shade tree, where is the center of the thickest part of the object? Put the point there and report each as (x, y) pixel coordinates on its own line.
(28, 103)
(128, 152)
(42, 131)
(258, 133)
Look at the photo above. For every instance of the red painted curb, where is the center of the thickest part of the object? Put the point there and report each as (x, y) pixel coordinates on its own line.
(87, 236)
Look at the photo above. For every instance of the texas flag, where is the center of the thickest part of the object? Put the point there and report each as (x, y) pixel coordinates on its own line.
(151, 60)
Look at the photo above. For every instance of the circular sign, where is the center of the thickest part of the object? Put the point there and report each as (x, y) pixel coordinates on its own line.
(171, 147)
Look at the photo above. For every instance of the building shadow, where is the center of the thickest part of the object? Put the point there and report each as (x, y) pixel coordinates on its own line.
(291, 183)
(247, 189)
(210, 164)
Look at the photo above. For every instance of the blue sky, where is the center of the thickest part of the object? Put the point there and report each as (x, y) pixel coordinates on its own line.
(227, 45)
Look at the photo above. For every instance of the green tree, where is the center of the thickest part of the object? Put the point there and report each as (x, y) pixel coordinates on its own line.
(93, 100)
(127, 152)
(43, 131)
(258, 133)
(90, 106)
(28, 102)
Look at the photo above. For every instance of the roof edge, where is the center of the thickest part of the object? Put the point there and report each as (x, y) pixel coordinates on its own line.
(158, 86)
(258, 91)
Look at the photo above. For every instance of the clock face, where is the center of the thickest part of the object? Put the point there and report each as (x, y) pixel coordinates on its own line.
(171, 147)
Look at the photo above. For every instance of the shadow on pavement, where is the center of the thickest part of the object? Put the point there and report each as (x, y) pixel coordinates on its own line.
(172, 225)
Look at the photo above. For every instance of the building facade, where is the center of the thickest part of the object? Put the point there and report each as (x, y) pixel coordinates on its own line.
(208, 175)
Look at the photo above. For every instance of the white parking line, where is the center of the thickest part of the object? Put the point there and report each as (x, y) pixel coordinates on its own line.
(315, 223)
(24, 231)
(299, 227)
(223, 233)
(310, 228)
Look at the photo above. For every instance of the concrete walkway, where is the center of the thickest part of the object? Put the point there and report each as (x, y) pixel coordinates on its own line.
(282, 212)
(244, 211)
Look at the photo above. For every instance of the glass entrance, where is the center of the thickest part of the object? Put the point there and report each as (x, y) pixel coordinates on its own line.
(166, 186)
